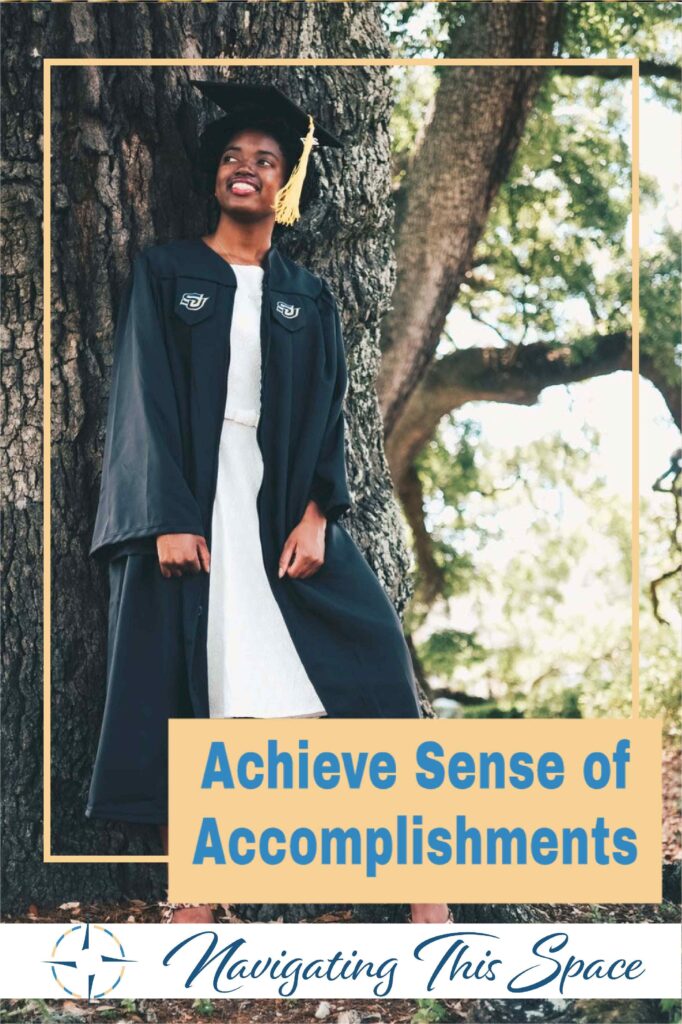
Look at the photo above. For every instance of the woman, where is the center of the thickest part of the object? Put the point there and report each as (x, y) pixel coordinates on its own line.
(234, 590)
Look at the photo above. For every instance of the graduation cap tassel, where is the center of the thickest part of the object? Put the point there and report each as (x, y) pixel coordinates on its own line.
(287, 199)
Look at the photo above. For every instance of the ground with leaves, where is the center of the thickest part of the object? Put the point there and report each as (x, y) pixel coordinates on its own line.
(349, 1011)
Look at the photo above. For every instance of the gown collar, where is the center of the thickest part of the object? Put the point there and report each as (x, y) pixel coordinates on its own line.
(220, 270)
(281, 274)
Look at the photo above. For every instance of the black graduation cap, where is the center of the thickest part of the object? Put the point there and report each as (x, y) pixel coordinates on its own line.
(236, 98)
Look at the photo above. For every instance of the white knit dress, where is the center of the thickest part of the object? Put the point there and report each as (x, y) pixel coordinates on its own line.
(254, 670)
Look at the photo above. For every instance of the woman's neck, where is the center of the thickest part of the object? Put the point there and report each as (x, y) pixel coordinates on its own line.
(247, 244)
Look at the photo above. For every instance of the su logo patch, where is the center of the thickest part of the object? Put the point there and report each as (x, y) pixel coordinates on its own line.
(290, 315)
(194, 300)
(288, 310)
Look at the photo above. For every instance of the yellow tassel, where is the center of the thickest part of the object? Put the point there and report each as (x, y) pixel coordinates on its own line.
(287, 199)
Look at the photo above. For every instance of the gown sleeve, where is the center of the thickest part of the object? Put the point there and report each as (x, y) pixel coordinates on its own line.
(143, 491)
(330, 483)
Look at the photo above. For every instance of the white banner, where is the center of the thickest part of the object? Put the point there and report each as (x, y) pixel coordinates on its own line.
(349, 961)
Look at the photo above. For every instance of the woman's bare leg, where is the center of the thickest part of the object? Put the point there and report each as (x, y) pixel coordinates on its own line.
(200, 914)
(429, 913)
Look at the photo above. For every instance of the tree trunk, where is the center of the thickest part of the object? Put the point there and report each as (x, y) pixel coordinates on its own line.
(122, 178)
(463, 157)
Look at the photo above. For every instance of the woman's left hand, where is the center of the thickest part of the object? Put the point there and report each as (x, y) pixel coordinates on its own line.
(303, 551)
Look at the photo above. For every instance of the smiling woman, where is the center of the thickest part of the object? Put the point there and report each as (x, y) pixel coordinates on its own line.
(270, 113)
(235, 591)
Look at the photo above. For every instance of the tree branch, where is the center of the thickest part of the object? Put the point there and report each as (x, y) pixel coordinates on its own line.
(647, 69)
(516, 374)
(671, 394)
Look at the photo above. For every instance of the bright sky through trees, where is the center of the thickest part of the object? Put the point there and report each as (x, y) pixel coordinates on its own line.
(604, 402)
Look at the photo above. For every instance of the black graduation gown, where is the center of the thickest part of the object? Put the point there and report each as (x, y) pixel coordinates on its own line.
(164, 420)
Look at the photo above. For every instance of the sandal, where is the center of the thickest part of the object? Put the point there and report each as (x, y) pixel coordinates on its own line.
(450, 920)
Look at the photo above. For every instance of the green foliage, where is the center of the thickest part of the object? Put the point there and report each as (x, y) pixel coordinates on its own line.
(204, 1006)
(414, 88)
(34, 1010)
(430, 1011)
(436, 470)
(445, 648)
(448, 482)
(672, 1010)
(660, 305)
(635, 29)
(539, 620)
(415, 29)
(645, 29)
(546, 629)
(490, 709)
(554, 263)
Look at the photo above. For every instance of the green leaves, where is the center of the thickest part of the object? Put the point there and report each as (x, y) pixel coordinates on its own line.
(446, 648)
(430, 1011)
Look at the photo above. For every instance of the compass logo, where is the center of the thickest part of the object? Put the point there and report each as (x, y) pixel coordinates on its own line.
(87, 961)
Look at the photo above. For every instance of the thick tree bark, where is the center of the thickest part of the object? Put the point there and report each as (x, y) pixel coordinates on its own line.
(465, 152)
(123, 143)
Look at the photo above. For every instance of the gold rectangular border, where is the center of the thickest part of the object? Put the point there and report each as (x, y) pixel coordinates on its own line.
(48, 64)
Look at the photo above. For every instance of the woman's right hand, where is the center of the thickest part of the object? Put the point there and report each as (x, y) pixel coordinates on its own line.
(182, 554)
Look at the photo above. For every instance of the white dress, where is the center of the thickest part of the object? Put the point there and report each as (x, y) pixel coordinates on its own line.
(254, 670)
